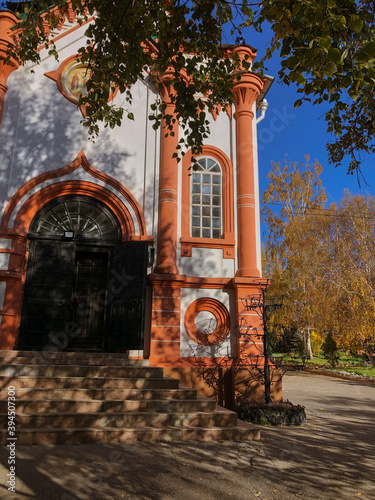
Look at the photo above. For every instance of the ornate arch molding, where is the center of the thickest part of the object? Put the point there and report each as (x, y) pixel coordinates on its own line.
(227, 241)
(40, 198)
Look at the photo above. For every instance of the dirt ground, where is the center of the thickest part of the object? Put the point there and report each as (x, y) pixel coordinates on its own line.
(331, 457)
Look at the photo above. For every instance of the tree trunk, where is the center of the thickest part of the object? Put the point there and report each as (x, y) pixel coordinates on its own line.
(307, 339)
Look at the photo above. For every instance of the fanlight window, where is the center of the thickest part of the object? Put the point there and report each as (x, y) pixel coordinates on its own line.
(76, 217)
(206, 199)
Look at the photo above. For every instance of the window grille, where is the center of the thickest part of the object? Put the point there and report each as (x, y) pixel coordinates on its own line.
(206, 199)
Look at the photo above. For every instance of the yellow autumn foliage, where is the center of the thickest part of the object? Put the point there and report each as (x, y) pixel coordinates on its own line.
(320, 258)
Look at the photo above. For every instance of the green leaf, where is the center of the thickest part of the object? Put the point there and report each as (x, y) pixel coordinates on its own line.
(345, 53)
(325, 42)
(298, 103)
(330, 69)
(299, 78)
(369, 49)
(355, 24)
(365, 53)
(334, 54)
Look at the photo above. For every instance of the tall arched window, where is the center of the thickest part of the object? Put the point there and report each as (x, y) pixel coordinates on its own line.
(207, 210)
(206, 199)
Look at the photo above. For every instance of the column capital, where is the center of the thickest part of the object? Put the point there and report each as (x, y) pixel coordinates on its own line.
(163, 82)
(245, 53)
(246, 91)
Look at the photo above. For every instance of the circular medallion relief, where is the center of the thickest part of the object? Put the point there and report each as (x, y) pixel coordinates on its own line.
(71, 79)
(207, 321)
(74, 79)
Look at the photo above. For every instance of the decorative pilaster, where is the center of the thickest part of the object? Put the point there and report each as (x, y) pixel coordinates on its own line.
(246, 90)
(249, 322)
(7, 39)
(168, 183)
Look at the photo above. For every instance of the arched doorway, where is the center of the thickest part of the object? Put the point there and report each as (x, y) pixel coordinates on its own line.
(84, 288)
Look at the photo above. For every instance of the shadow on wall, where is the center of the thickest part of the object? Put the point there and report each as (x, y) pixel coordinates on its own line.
(41, 131)
(208, 262)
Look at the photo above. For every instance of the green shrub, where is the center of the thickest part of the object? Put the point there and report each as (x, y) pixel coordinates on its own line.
(330, 350)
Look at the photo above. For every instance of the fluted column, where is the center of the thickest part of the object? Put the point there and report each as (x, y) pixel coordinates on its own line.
(166, 261)
(7, 38)
(246, 90)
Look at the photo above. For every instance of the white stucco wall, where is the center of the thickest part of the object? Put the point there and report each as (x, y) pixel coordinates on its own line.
(207, 263)
(41, 131)
(2, 294)
(257, 195)
(4, 261)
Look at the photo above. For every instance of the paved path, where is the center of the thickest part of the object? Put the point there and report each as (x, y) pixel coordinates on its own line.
(332, 457)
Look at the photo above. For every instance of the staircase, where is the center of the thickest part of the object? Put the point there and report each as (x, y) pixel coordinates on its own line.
(72, 397)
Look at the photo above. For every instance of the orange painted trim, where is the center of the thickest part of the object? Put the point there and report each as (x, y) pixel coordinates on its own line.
(39, 199)
(8, 38)
(166, 258)
(193, 282)
(216, 111)
(164, 318)
(161, 282)
(165, 348)
(192, 362)
(246, 92)
(80, 160)
(221, 314)
(10, 234)
(227, 242)
(10, 276)
(166, 303)
(174, 283)
(249, 324)
(159, 334)
(68, 32)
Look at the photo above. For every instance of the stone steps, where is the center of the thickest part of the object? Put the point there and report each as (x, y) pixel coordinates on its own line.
(86, 355)
(62, 358)
(48, 436)
(85, 405)
(122, 419)
(93, 383)
(80, 371)
(102, 393)
(80, 397)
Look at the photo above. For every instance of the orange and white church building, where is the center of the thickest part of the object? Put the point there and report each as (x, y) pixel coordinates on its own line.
(113, 245)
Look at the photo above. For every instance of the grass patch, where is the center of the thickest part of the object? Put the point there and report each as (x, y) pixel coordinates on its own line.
(349, 363)
(361, 370)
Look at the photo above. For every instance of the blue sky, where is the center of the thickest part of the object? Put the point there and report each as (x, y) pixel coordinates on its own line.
(295, 133)
(286, 132)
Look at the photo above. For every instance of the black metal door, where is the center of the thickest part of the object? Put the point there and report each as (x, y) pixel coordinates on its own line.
(47, 297)
(89, 299)
(126, 296)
